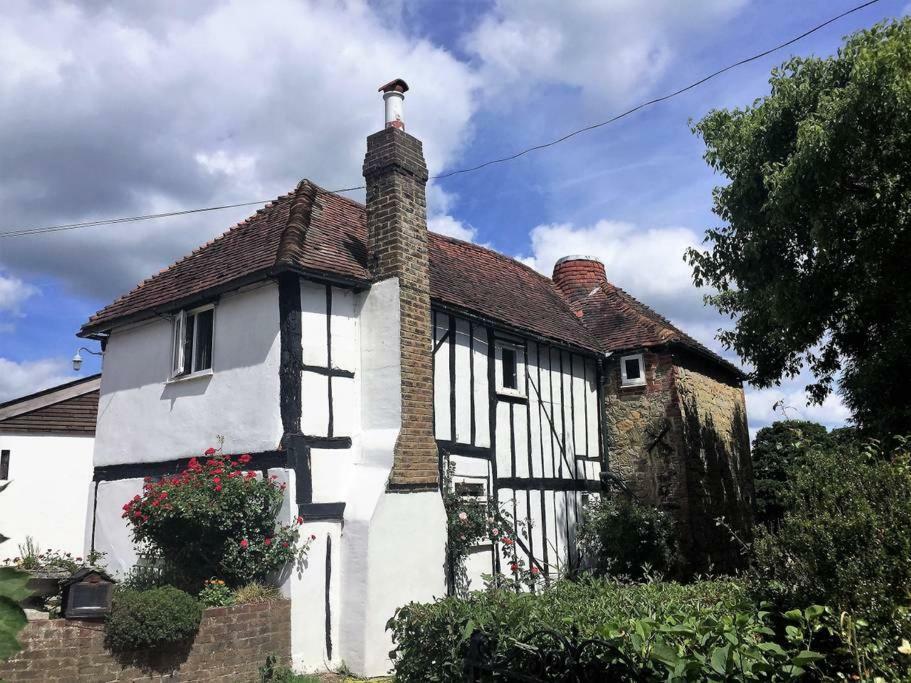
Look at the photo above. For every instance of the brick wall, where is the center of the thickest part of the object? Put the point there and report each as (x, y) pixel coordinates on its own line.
(396, 177)
(232, 643)
(680, 442)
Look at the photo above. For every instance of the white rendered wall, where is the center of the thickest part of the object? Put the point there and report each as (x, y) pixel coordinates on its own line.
(47, 498)
(142, 417)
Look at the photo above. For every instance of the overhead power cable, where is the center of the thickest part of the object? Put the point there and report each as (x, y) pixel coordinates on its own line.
(131, 219)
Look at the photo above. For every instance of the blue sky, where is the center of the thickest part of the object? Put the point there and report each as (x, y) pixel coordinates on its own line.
(118, 109)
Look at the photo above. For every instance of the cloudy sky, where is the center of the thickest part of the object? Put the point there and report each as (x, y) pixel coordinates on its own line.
(135, 107)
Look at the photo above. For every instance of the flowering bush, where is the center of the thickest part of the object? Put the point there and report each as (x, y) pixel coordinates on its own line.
(215, 593)
(216, 519)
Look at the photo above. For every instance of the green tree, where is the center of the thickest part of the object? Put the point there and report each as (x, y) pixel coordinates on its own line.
(776, 450)
(812, 257)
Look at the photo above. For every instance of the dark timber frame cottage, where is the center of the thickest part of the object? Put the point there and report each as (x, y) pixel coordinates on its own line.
(355, 355)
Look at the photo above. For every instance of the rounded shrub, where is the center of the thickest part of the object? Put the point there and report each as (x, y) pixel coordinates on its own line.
(621, 537)
(147, 619)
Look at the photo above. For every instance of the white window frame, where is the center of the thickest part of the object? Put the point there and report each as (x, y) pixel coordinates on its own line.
(638, 381)
(519, 350)
(178, 361)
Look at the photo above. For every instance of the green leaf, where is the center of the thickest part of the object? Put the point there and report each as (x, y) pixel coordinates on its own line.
(13, 584)
(12, 620)
(805, 657)
(813, 612)
(793, 615)
(664, 653)
(720, 659)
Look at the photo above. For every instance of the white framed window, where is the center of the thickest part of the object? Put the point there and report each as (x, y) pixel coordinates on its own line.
(510, 368)
(632, 370)
(193, 341)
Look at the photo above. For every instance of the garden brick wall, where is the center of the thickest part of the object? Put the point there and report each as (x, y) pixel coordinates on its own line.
(396, 176)
(681, 442)
(232, 643)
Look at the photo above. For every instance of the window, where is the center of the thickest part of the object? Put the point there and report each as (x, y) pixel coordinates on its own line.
(510, 368)
(194, 333)
(4, 465)
(632, 371)
(472, 489)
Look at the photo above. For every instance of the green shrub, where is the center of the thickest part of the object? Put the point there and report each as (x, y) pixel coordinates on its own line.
(775, 450)
(147, 619)
(845, 541)
(620, 537)
(216, 519)
(704, 631)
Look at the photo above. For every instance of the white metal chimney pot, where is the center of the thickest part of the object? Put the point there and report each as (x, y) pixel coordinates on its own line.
(394, 97)
(394, 104)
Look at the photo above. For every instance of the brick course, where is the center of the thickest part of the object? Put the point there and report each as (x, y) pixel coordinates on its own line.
(397, 238)
(232, 643)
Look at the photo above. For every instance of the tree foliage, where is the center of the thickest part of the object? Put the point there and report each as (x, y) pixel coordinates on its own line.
(811, 260)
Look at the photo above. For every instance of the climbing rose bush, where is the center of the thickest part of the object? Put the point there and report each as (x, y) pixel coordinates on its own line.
(216, 519)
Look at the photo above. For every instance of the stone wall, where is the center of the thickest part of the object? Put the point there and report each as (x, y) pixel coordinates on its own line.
(680, 442)
(719, 472)
(232, 643)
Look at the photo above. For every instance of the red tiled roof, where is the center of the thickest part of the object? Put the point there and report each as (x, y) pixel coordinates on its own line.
(622, 322)
(314, 231)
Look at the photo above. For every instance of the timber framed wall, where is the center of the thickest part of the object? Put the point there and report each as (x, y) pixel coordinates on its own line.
(537, 449)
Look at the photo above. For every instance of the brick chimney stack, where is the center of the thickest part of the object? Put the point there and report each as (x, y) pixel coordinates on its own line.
(577, 276)
(396, 176)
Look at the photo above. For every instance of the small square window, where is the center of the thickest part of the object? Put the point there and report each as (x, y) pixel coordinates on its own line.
(193, 341)
(510, 369)
(632, 370)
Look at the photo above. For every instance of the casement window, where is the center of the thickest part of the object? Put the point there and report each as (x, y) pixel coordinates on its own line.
(4, 465)
(193, 341)
(510, 368)
(632, 370)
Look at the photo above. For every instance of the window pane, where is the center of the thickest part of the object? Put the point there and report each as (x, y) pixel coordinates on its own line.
(510, 381)
(202, 357)
(632, 368)
(4, 464)
(188, 345)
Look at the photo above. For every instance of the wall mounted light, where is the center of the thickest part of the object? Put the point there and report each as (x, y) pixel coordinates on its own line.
(77, 359)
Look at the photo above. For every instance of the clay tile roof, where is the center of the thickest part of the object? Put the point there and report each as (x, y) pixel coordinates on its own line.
(313, 231)
(470, 277)
(622, 322)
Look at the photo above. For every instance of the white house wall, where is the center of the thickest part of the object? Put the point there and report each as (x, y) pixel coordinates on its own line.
(47, 497)
(143, 417)
(546, 455)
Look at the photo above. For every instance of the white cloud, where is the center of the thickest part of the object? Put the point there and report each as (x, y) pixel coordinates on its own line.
(647, 261)
(27, 377)
(13, 292)
(145, 107)
(612, 50)
(447, 225)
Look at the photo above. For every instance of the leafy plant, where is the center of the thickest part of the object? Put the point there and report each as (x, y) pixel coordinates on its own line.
(810, 261)
(216, 594)
(273, 672)
(216, 519)
(256, 592)
(12, 592)
(148, 619)
(32, 558)
(622, 537)
(12, 618)
(845, 541)
(707, 631)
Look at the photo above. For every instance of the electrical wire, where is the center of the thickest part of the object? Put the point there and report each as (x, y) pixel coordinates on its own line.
(130, 219)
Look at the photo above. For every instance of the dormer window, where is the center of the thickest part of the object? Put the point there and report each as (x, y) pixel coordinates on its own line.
(632, 370)
(193, 338)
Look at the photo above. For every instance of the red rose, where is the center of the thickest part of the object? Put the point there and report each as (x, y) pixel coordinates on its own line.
(217, 488)
(312, 537)
(244, 459)
(244, 543)
(285, 545)
(210, 451)
(300, 520)
(535, 571)
(216, 480)
(514, 567)
(267, 541)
